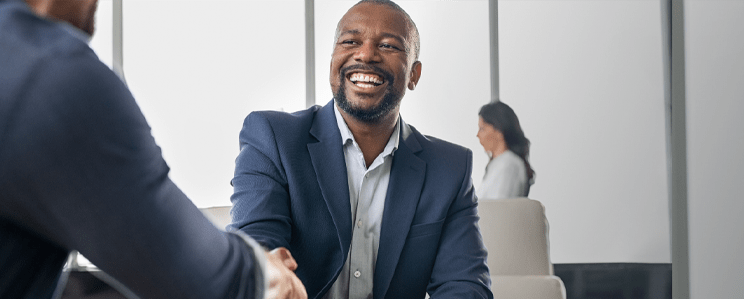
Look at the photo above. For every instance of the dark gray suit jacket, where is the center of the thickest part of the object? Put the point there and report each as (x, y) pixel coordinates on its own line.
(79, 170)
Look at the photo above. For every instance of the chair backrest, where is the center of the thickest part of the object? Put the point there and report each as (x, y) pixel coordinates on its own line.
(515, 232)
(220, 216)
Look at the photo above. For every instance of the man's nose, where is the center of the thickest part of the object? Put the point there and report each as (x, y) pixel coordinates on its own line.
(367, 53)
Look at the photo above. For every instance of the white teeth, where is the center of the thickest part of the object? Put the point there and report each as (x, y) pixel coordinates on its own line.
(359, 78)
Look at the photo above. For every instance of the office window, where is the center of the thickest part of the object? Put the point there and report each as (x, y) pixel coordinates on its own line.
(586, 80)
(197, 68)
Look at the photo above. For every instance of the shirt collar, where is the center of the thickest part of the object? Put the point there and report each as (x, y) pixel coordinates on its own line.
(347, 136)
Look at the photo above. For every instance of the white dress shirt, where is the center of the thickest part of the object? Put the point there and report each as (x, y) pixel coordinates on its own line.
(367, 190)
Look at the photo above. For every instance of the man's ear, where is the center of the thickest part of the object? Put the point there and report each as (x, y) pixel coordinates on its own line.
(415, 75)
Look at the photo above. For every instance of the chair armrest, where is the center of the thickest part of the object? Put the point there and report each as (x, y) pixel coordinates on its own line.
(527, 287)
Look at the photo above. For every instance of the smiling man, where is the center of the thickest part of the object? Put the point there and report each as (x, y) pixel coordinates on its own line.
(368, 206)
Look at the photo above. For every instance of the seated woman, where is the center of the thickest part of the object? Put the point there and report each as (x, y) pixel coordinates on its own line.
(508, 173)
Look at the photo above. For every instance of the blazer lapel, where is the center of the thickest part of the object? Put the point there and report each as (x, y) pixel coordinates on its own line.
(327, 157)
(404, 190)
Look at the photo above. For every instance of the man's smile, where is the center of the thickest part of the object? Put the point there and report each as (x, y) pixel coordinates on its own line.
(365, 80)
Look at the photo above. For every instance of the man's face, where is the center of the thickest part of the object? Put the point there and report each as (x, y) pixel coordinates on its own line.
(372, 62)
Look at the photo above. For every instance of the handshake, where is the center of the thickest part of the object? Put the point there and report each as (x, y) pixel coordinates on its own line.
(283, 283)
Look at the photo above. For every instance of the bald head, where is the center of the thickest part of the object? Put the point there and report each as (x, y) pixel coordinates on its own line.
(415, 46)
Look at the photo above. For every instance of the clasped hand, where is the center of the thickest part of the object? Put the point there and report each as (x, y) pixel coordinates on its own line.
(283, 283)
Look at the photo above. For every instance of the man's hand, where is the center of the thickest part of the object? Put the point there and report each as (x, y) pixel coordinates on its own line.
(283, 283)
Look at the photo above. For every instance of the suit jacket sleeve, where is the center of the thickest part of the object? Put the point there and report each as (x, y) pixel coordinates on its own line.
(261, 204)
(460, 269)
(81, 170)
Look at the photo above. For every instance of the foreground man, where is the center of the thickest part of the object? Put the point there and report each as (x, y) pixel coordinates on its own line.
(368, 206)
(79, 170)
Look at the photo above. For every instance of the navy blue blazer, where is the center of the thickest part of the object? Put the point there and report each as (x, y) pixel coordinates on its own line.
(79, 170)
(291, 190)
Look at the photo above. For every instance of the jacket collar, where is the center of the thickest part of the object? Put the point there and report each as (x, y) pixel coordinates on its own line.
(404, 190)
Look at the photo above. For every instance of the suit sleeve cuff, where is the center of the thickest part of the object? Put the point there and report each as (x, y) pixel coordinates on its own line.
(261, 271)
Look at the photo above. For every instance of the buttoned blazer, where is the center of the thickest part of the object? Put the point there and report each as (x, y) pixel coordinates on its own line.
(291, 190)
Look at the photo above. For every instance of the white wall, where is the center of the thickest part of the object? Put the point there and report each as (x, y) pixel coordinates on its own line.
(715, 144)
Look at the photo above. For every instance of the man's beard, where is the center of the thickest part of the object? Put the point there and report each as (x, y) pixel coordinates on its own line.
(90, 24)
(390, 100)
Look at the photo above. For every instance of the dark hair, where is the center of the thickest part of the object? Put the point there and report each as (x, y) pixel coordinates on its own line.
(414, 31)
(503, 118)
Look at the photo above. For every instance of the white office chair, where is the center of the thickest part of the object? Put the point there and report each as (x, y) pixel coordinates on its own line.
(220, 216)
(515, 232)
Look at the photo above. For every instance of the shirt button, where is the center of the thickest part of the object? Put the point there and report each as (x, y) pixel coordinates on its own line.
(359, 223)
(357, 274)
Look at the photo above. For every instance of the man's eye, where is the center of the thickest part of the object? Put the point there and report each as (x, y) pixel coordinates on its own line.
(389, 46)
(348, 42)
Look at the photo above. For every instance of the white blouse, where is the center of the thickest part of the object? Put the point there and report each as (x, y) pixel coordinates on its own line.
(506, 177)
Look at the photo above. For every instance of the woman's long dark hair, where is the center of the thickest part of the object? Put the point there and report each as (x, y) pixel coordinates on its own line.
(503, 118)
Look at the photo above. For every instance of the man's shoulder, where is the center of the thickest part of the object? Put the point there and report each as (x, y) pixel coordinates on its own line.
(31, 45)
(44, 66)
(438, 146)
(32, 38)
(284, 121)
(442, 157)
(283, 127)
(282, 116)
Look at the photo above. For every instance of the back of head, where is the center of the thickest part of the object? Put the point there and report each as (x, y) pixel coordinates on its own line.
(78, 13)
